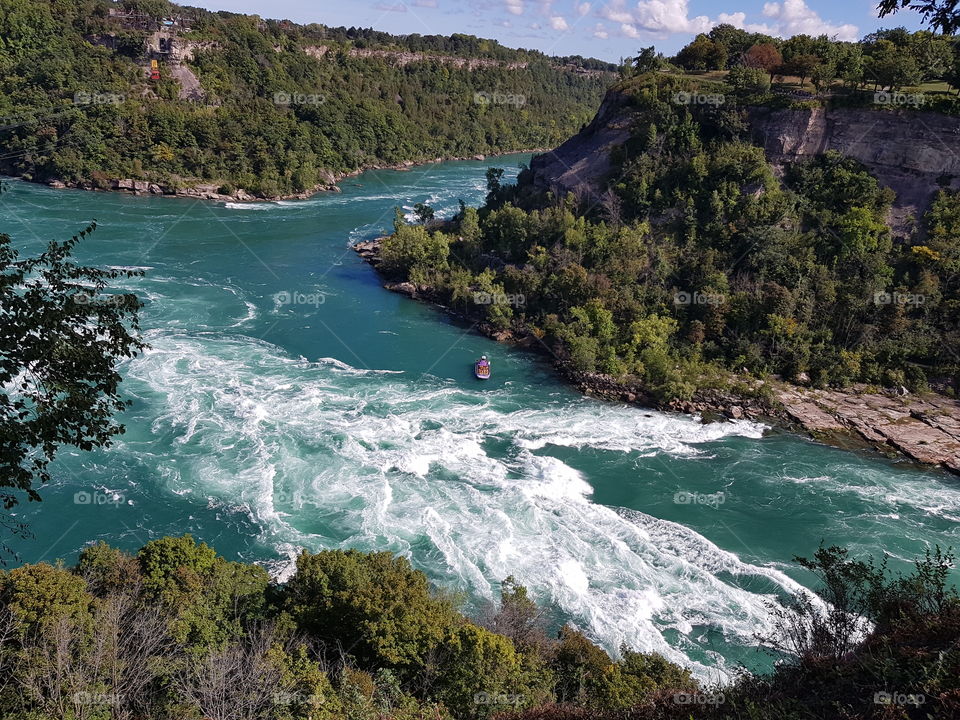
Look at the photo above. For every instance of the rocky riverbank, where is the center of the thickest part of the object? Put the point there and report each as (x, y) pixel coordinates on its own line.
(925, 428)
(212, 191)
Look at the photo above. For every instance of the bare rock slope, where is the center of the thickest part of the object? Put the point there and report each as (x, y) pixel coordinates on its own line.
(913, 153)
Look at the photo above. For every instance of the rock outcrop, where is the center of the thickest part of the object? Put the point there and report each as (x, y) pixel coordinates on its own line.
(914, 153)
(925, 428)
(582, 164)
(403, 58)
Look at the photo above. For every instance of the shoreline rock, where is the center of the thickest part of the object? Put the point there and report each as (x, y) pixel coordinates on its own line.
(924, 428)
(211, 191)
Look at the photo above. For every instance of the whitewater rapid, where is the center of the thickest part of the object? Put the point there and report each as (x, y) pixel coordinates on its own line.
(325, 455)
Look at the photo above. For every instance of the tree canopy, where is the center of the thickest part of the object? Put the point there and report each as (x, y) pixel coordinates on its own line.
(63, 334)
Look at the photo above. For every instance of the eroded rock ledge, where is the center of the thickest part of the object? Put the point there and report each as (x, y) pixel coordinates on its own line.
(923, 427)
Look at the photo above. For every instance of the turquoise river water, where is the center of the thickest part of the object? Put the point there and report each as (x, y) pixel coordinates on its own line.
(288, 401)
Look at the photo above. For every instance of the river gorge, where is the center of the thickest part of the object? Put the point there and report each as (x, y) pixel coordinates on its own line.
(288, 401)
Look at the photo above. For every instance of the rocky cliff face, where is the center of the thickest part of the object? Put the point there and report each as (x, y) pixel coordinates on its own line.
(913, 153)
(582, 164)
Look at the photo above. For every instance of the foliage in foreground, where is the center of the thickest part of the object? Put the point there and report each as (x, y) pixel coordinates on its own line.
(63, 334)
(176, 631)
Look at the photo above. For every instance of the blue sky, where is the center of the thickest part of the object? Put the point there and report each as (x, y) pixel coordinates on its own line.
(607, 29)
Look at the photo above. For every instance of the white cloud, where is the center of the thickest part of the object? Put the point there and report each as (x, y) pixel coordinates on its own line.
(386, 7)
(600, 32)
(616, 12)
(794, 17)
(669, 16)
(582, 8)
(425, 3)
(514, 7)
(739, 19)
(559, 23)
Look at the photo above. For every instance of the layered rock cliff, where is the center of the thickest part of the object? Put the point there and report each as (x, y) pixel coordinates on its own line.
(913, 153)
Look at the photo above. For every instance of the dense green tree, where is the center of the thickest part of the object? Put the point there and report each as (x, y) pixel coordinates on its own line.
(648, 60)
(41, 593)
(749, 79)
(802, 66)
(375, 607)
(412, 247)
(702, 54)
(209, 597)
(481, 673)
(734, 40)
(889, 67)
(62, 338)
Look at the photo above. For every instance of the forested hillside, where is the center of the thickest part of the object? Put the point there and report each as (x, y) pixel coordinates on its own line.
(269, 107)
(686, 258)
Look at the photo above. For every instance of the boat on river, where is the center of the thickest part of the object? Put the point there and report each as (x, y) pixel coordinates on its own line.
(481, 368)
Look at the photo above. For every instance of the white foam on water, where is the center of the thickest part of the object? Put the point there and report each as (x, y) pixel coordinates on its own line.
(252, 314)
(259, 205)
(887, 494)
(405, 464)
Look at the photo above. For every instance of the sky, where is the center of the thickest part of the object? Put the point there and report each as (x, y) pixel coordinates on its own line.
(606, 29)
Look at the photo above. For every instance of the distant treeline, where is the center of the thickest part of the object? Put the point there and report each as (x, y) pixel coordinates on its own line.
(891, 58)
(76, 103)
